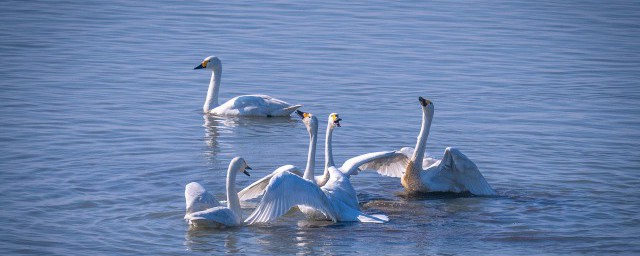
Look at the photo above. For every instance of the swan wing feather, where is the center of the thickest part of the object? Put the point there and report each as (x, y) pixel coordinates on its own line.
(426, 161)
(198, 198)
(256, 189)
(388, 163)
(255, 105)
(461, 172)
(286, 190)
(212, 217)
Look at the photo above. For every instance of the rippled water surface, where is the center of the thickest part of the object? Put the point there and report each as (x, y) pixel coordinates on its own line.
(101, 124)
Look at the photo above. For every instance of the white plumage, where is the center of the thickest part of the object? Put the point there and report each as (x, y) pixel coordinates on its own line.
(336, 200)
(203, 210)
(245, 105)
(453, 173)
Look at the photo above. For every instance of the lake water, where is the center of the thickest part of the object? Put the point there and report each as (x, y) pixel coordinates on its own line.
(101, 125)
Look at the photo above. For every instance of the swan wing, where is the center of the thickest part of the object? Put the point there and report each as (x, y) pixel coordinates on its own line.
(255, 105)
(426, 161)
(462, 173)
(388, 163)
(257, 188)
(286, 190)
(345, 201)
(340, 189)
(198, 199)
(213, 217)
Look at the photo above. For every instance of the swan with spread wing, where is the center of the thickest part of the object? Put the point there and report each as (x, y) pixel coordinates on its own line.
(336, 200)
(453, 173)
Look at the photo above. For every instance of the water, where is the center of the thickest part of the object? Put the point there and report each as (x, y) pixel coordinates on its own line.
(101, 123)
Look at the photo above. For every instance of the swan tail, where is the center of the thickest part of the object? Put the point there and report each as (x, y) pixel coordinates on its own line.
(373, 218)
(288, 110)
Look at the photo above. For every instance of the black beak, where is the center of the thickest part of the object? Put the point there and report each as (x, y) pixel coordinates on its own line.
(246, 172)
(300, 114)
(199, 67)
(424, 102)
(337, 122)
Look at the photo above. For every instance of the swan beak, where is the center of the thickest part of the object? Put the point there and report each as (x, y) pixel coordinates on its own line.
(199, 67)
(246, 172)
(337, 121)
(424, 102)
(302, 115)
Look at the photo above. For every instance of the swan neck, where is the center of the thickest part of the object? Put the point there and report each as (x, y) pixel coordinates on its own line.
(328, 151)
(418, 153)
(311, 158)
(232, 195)
(214, 87)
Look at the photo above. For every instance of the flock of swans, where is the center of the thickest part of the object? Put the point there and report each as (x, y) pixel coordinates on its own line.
(329, 196)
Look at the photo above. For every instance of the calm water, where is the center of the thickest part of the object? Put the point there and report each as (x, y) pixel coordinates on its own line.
(101, 124)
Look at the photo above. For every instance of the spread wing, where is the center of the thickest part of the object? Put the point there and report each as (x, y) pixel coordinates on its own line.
(286, 190)
(426, 161)
(198, 199)
(458, 170)
(388, 163)
(257, 188)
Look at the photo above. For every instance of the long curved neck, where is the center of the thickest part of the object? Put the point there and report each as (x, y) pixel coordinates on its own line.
(232, 196)
(311, 158)
(328, 156)
(418, 153)
(328, 151)
(212, 92)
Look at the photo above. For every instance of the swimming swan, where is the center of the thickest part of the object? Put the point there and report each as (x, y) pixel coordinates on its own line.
(245, 105)
(335, 201)
(453, 173)
(203, 210)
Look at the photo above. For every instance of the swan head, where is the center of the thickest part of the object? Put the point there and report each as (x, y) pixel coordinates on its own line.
(239, 164)
(334, 120)
(426, 104)
(211, 62)
(310, 121)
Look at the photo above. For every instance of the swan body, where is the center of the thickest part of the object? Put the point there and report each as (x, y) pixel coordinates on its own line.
(245, 105)
(336, 200)
(203, 210)
(455, 172)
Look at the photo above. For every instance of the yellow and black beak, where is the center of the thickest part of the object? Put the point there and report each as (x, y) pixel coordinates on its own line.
(424, 102)
(336, 121)
(302, 115)
(245, 170)
(202, 65)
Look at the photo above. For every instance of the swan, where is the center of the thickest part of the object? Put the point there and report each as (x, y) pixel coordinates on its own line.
(245, 105)
(336, 200)
(453, 173)
(203, 210)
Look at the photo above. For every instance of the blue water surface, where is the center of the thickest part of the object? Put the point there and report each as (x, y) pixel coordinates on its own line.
(101, 125)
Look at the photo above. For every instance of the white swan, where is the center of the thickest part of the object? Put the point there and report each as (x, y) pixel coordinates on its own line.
(245, 105)
(336, 200)
(453, 173)
(203, 210)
